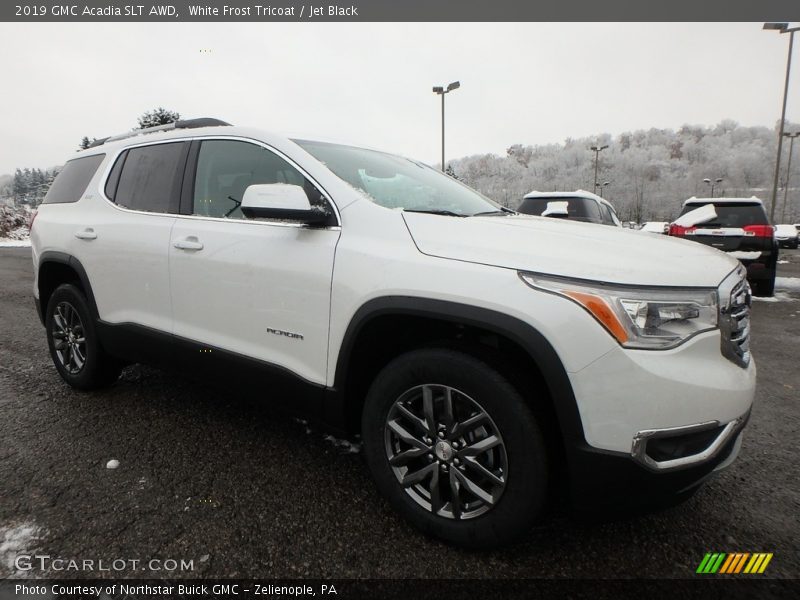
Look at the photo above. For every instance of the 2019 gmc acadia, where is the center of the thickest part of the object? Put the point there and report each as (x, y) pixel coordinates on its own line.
(485, 357)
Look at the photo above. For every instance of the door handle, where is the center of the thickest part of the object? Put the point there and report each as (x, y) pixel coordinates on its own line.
(86, 234)
(189, 243)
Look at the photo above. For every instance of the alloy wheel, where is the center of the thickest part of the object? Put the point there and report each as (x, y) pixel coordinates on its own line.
(446, 451)
(69, 338)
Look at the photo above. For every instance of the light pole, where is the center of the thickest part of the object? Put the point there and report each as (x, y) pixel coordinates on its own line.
(605, 183)
(791, 137)
(597, 150)
(782, 28)
(442, 91)
(713, 183)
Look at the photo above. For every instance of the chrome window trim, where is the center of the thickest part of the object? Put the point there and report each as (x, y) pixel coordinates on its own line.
(640, 440)
(113, 156)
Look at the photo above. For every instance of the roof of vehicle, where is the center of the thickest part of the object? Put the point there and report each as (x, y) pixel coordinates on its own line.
(575, 194)
(195, 128)
(750, 200)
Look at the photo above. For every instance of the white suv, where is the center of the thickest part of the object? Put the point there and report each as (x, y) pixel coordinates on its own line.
(484, 357)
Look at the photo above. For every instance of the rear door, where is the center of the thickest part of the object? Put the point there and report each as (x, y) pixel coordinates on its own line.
(123, 243)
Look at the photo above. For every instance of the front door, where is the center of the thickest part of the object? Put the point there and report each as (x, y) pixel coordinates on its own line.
(258, 289)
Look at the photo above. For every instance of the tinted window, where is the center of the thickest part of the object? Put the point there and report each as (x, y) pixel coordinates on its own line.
(113, 177)
(579, 209)
(226, 168)
(609, 216)
(73, 180)
(733, 214)
(150, 178)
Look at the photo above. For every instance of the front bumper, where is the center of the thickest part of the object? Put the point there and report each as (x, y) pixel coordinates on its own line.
(626, 392)
(656, 424)
(603, 480)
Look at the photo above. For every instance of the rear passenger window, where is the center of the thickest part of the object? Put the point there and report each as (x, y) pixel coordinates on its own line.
(73, 180)
(225, 169)
(150, 179)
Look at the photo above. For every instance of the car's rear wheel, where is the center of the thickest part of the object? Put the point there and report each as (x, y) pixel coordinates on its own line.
(454, 448)
(72, 338)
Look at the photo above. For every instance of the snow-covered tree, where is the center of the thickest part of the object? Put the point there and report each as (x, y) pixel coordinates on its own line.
(158, 116)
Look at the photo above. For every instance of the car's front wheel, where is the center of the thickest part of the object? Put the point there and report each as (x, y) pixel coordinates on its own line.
(455, 448)
(72, 338)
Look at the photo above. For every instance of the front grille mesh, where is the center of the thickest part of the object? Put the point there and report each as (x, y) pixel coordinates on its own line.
(735, 302)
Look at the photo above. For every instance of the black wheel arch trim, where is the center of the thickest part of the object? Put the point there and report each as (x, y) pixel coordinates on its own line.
(54, 256)
(523, 334)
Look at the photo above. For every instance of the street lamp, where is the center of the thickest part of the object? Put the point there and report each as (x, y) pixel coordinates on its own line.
(605, 183)
(781, 28)
(791, 137)
(597, 150)
(442, 91)
(713, 183)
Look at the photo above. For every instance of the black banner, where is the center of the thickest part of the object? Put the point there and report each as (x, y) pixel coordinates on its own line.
(400, 10)
(414, 589)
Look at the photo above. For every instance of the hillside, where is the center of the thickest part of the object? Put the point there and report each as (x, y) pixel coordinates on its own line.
(650, 172)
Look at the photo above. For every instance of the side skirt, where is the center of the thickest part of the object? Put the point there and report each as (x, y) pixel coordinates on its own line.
(253, 378)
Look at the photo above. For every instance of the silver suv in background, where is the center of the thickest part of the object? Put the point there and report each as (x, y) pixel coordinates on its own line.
(579, 205)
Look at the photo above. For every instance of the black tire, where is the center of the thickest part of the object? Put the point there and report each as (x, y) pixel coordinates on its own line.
(764, 288)
(520, 501)
(83, 365)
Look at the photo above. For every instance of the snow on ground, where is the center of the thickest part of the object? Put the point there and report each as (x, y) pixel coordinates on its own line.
(789, 284)
(346, 446)
(16, 539)
(9, 243)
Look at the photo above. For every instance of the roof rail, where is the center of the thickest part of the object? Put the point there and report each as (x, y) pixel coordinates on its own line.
(182, 124)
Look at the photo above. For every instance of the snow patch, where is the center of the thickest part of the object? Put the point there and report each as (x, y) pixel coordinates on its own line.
(790, 284)
(16, 540)
(347, 446)
(743, 255)
(778, 297)
(9, 243)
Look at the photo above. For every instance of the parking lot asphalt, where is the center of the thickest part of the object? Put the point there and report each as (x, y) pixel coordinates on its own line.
(242, 491)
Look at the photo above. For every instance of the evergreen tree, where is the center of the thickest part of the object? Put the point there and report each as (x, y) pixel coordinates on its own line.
(159, 116)
(84, 143)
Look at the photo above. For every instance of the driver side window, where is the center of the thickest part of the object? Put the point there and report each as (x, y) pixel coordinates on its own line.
(225, 169)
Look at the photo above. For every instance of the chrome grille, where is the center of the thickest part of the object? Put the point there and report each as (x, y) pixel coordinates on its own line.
(734, 317)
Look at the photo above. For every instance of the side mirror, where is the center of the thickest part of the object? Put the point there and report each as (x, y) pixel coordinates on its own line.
(556, 209)
(280, 201)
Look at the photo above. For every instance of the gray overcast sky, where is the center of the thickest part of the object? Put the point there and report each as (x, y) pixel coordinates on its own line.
(370, 83)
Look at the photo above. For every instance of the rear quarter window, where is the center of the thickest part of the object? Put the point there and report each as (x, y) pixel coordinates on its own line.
(150, 177)
(72, 181)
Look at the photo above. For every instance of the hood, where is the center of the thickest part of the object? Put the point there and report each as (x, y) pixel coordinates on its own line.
(570, 249)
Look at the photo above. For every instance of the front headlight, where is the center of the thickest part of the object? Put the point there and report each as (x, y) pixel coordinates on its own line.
(655, 318)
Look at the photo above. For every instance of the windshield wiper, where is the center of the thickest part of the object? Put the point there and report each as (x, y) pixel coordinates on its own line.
(494, 213)
(447, 213)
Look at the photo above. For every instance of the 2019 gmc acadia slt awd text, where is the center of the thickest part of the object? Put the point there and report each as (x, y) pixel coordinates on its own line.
(486, 358)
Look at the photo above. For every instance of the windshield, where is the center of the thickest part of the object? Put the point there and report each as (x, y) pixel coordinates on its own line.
(733, 214)
(396, 182)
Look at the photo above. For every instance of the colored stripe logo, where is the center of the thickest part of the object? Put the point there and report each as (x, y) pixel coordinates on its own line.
(734, 563)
